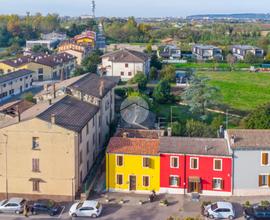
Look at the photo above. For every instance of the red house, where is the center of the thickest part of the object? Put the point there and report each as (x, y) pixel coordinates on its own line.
(200, 165)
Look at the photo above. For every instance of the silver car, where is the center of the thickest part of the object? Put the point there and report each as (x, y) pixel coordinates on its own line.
(13, 205)
(220, 210)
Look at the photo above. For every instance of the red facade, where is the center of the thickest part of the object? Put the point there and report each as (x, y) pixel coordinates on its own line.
(196, 173)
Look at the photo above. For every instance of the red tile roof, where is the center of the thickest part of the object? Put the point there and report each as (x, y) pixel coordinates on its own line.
(135, 146)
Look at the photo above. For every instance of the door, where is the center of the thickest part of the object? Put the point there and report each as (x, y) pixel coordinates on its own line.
(132, 183)
(194, 187)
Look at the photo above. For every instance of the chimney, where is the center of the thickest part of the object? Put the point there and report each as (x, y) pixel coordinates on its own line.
(233, 139)
(125, 134)
(169, 131)
(101, 88)
(206, 148)
(50, 102)
(53, 118)
(54, 91)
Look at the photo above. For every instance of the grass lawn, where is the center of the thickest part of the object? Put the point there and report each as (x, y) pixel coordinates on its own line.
(241, 90)
(210, 65)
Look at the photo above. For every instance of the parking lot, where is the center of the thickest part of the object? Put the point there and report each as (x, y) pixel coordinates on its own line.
(178, 206)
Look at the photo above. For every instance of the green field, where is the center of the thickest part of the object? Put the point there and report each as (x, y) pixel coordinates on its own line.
(211, 65)
(241, 90)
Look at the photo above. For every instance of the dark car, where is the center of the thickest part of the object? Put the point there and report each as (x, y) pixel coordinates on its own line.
(257, 213)
(45, 207)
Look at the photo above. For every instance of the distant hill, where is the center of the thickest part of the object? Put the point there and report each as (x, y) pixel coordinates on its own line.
(245, 16)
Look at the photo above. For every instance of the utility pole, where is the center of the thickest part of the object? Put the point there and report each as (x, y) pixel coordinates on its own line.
(93, 7)
(227, 119)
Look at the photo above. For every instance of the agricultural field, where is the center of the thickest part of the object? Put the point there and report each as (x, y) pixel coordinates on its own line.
(241, 90)
(211, 65)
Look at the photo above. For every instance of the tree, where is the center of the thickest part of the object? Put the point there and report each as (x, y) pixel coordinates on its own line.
(79, 71)
(263, 43)
(162, 92)
(41, 49)
(199, 129)
(90, 63)
(231, 60)
(251, 58)
(258, 118)
(29, 97)
(153, 73)
(141, 79)
(177, 129)
(155, 62)
(149, 49)
(199, 95)
(168, 73)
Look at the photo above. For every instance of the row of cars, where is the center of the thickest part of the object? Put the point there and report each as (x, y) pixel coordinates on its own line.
(79, 209)
(225, 210)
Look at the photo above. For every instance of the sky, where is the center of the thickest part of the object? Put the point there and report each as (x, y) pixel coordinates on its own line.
(137, 8)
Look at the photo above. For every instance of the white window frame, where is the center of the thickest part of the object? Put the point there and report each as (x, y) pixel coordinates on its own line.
(117, 179)
(198, 161)
(262, 159)
(215, 159)
(149, 162)
(217, 178)
(178, 180)
(171, 159)
(148, 180)
(119, 155)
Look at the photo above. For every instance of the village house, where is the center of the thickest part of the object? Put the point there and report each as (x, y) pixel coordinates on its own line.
(15, 83)
(125, 64)
(206, 52)
(240, 51)
(251, 153)
(69, 130)
(45, 66)
(87, 38)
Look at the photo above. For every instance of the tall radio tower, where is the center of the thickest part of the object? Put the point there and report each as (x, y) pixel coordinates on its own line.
(93, 7)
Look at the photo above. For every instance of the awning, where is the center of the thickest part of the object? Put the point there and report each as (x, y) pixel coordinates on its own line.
(36, 180)
(194, 179)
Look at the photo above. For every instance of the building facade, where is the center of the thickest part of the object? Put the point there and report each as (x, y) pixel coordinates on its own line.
(206, 52)
(251, 151)
(195, 165)
(125, 64)
(15, 83)
(240, 51)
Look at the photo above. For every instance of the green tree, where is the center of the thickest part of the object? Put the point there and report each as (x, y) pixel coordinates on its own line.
(168, 73)
(153, 73)
(177, 128)
(29, 97)
(231, 60)
(162, 92)
(199, 129)
(200, 95)
(258, 118)
(251, 58)
(41, 49)
(141, 79)
(155, 62)
(149, 49)
(90, 63)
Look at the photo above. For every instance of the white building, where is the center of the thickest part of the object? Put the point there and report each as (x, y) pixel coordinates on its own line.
(125, 63)
(240, 51)
(15, 83)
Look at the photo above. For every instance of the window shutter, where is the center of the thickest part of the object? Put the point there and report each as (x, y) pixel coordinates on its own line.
(213, 183)
(222, 184)
(260, 180)
(269, 181)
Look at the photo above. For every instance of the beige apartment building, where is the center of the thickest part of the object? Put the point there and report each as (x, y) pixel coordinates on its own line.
(15, 83)
(59, 140)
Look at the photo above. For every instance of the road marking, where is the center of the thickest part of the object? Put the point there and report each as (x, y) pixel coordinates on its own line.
(61, 213)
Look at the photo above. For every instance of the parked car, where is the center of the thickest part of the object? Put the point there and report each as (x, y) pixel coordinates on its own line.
(86, 209)
(257, 213)
(45, 206)
(13, 205)
(220, 210)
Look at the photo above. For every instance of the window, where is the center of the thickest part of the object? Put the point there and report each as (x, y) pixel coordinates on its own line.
(174, 181)
(194, 163)
(88, 165)
(130, 73)
(146, 162)
(146, 181)
(87, 128)
(217, 164)
(122, 73)
(217, 183)
(35, 165)
(80, 157)
(93, 122)
(87, 147)
(35, 143)
(174, 162)
(35, 185)
(264, 180)
(80, 137)
(40, 71)
(119, 179)
(126, 65)
(119, 160)
(265, 159)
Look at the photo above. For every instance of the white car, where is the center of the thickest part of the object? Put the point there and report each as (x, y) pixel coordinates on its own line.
(220, 210)
(86, 209)
(13, 205)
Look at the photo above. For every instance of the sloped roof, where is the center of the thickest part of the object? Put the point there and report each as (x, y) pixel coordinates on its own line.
(136, 146)
(249, 139)
(195, 146)
(14, 75)
(70, 113)
(127, 56)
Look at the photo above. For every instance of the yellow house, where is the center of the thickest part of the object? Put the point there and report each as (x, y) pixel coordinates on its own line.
(87, 37)
(132, 165)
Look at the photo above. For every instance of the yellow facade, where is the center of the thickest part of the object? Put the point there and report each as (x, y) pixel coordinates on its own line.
(132, 166)
(4, 68)
(86, 40)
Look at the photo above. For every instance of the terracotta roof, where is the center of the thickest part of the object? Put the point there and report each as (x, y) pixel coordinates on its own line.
(127, 56)
(138, 133)
(11, 108)
(14, 75)
(249, 139)
(195, 146)
(17, 62)
(136, 146)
